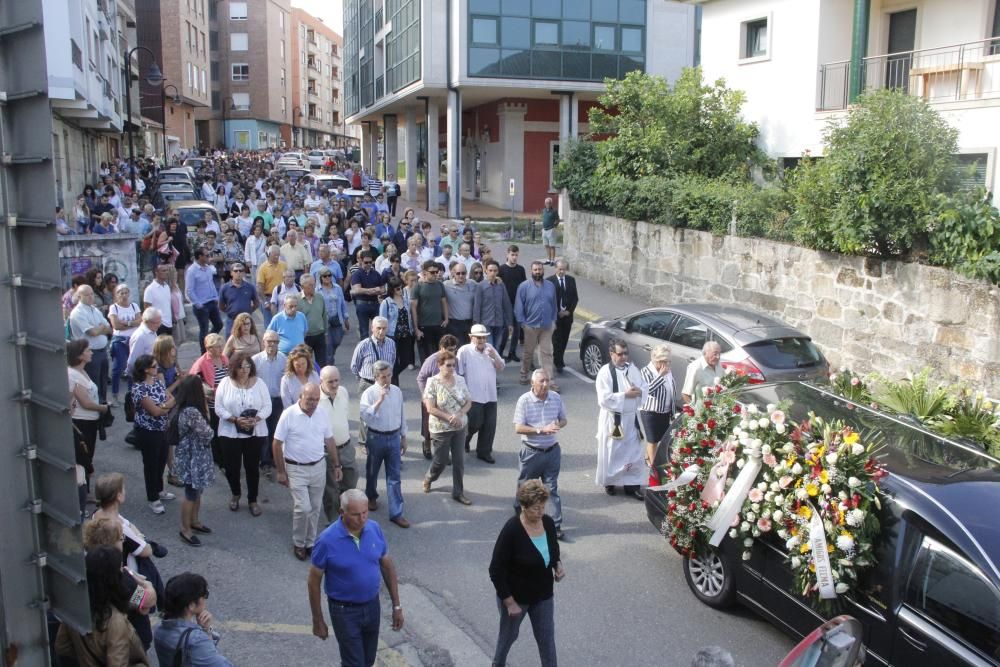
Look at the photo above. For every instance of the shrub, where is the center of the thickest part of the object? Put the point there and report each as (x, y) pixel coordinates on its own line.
(576, 171)
(647, 198)
(965, 234)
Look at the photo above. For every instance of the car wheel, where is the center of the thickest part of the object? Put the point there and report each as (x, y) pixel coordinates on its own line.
(592, 358)
(710, 578)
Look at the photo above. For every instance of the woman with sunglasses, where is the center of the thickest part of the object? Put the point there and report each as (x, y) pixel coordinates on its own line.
(152, 406)
(243, 404)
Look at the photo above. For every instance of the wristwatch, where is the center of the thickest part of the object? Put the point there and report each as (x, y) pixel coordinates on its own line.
(397, 607)
(538, 431)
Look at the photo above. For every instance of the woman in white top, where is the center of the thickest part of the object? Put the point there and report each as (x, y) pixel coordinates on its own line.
(125, 317)
(255, 252)
(299, 371)
(86, 411)
(243, 405)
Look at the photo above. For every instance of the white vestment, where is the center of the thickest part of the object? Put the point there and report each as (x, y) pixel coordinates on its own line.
(620, 462)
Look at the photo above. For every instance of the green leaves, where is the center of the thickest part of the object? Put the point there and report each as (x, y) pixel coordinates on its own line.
(965, 233)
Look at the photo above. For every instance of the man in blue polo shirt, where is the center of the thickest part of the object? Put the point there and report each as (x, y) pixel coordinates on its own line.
(351, 554)
(290, 324)
(237, 296)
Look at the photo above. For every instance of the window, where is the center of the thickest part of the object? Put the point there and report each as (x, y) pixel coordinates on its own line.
(242, 138)
(281, 20)
(972, 170)
(282, 77)
(689, 333)
(755, 39)
(241, 101)
(546, 33)
(632, 40)
(484, 30)
(204, 83)
(214, 67)
(201, 35)
(240, 41)
(576, 34)
(241, 72)
(213, 12)
(487, 6)
(282, 49)
(261, 138)
(213, 40)
(945, 587)
(284, 105)
(216, 99)
(655, 324)
(548, 9)
(515, 33)
(238, 11)
(516, 7)
(604, 38)
(190, 75)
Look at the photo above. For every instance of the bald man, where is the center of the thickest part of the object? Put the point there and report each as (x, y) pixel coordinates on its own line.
(334, 404)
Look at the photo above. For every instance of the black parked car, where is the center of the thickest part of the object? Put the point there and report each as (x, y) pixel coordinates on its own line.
(934, 597)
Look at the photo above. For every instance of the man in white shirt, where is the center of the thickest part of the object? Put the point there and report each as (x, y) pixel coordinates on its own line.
(142, 339)
(334, 404)
(157, 295)
(303, 438)
(382, 413)
(704, 371)
(86, 321)
(479, 363)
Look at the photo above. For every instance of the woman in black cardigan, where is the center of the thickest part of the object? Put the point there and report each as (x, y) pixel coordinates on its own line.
(525, 563)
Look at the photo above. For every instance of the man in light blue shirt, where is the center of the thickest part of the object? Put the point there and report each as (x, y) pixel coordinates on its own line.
(326, 261)
(290, 324)
(270, 365)
(535, 310)
(199, 287)
(382, 413)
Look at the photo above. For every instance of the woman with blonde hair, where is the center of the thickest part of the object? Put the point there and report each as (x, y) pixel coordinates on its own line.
(170, 374)
(657, 410)
(212, 367)
(299, 371)
(244, 337)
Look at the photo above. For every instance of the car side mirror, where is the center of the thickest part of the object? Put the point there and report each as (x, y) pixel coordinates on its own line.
(836, 643)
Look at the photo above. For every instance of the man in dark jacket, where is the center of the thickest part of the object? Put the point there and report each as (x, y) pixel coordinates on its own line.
(566, 301)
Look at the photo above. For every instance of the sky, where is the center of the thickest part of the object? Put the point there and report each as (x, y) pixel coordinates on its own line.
(331, 11)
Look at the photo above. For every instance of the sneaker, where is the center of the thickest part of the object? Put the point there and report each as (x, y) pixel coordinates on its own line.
(166, 495)
(157, 507)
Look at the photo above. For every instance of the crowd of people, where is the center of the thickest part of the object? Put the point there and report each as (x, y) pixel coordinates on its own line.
(265, 398)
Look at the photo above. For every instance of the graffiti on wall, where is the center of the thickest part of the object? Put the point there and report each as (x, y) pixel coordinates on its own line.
(112, 253)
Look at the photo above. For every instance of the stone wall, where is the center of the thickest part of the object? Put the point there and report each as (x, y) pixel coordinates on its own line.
(865, 314)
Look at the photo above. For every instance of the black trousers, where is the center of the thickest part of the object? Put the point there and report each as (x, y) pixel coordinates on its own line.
(318, 345)
(429, 343)
(560, 337)
(246, 451)
(460, 330)
(153, 445)
(482, 420)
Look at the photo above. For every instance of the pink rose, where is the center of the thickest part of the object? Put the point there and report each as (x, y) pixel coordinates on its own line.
(756, 495)
(764, 525)
(855, 382)
(769, 460)
(785, 482)
(729, 457)
(778, 417)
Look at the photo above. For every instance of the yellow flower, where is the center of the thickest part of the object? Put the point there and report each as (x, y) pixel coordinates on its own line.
(812, 567)
(805, 512)
(851, 438)
(829, 548)
(794, 531)
(824, 477)
(812, 489)
(790, 461)
(804, 548)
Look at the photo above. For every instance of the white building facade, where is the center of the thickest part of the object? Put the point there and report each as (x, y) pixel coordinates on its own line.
(802, 62)
(485, 92)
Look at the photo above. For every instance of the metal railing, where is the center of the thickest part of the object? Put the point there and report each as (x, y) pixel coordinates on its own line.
(969, 71)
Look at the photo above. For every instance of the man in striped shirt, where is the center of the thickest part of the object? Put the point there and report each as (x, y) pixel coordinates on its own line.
(377, 347)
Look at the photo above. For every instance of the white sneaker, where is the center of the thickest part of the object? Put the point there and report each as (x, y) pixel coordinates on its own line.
(157, 507)
(166, 495)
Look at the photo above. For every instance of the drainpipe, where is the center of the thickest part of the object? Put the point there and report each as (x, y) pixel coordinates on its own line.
(427, 181)
(454, 143)
(859, 48)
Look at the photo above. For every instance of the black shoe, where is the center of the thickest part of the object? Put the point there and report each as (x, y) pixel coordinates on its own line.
(201, 529)
(514, 357)
(158, 549)
(488, 458)
(560, 535)
(193, 540)
(559, 369)
(610, 490)
(102, 434)
(467, 450)
(635, 492)
(427, 451)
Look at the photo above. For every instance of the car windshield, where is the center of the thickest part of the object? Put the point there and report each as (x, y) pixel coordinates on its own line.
(191, 217)
(785, 353)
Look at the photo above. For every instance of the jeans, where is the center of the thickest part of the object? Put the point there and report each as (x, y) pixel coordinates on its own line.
(543, 626)
(246, 451)
(119, 358)
(153, 445)
(541, 464)
(356, 628)
(482, 420)
(449, 444)
(542, 340)
(460, 330)
(207, 313)
(365, 310)
(334, 336)
(384, 448)
(497, 335)
(97, 370)
(306, 485)
(266, 312)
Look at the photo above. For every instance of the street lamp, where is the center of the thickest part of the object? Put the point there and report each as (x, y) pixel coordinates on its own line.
(154, 78)
(163, 114)
(225, 119)
(298, 115)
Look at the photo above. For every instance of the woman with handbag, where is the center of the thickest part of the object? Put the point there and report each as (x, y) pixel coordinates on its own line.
(152, 405)
(336, 311)
(396, 309)
(87, 413)
(186, 637)
(448, 402)
(243, 404)
(191, 428)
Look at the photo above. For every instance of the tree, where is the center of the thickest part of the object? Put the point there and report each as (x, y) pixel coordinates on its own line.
(658, 130)
(873, 190)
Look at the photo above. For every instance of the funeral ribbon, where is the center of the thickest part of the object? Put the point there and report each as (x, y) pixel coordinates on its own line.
(730, 506)
(686, 477)
(821, 557)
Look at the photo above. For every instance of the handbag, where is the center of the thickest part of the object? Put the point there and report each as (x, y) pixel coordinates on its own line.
(129, 407)
(249, 412)
(181, 645)
(334, 321)
(108, 418)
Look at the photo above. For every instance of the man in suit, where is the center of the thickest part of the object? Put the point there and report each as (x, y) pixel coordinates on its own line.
(566, 301)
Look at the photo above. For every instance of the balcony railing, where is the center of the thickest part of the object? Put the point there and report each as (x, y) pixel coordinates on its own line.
(379, 87)
(969, 71)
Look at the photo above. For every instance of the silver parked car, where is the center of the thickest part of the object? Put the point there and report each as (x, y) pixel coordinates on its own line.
(760, 346)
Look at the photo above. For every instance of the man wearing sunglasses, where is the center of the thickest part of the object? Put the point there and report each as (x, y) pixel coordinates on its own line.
(237, 296)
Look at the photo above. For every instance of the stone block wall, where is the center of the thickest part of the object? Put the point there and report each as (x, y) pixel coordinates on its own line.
(866, 314)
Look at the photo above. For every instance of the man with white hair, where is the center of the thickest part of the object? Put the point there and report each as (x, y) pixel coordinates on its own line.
(290, 325)
(296, 255)
(86, 321)
(382, 414)
(303, 438)
(334, 404)
(373, 348)
(704, 371)
(142, 339)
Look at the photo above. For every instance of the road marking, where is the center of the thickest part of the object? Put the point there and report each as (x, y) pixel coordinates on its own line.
(586, 315)
(387, 655)
(578, 374)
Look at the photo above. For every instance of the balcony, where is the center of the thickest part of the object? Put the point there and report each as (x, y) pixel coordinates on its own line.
(313, 91)
(958, 73)
(311, 64)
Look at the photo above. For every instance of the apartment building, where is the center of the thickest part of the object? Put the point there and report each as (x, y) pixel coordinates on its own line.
(250, 78)
(83, 52)
(803, 62)
(316, 67)
(508, 81)
(177, 33)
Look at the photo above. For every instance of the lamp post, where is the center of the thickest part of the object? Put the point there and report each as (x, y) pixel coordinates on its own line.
(225, 119)
(298, 115)
(154, 77)
(163, 113)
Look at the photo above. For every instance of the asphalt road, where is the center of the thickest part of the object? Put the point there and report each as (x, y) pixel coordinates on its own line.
(623, 602)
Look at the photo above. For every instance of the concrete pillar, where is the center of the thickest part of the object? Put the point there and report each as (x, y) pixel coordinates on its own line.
(433, 166)
(574, 117)
(391, 141)
(366, 141)
(411, 153)
(565, 111)
(512, 151)
(454, 154)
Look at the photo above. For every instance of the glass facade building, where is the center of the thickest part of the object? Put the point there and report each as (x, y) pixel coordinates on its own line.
(363, 81)
(581, 40)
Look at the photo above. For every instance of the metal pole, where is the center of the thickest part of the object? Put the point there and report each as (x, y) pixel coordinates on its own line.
(163, 121)
(128, 111)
